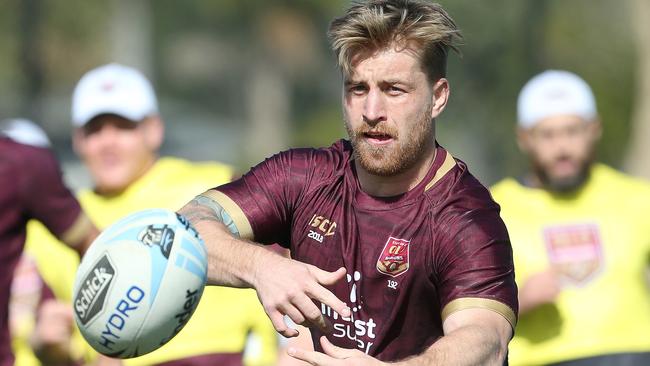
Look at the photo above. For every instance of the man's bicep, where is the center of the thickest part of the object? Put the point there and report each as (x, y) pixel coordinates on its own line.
(486, 319)
(474, 267)
(462, 304)
(262, 202)
(246, 213)
(80, 234)
(49, 201)
(223, 209)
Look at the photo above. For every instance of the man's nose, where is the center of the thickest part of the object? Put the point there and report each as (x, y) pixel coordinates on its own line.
(374, 108)
(107, 134)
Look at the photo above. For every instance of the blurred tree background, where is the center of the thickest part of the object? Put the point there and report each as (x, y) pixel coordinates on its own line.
(240, 79)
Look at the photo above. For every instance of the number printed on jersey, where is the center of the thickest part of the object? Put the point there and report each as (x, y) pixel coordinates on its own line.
(316, 236)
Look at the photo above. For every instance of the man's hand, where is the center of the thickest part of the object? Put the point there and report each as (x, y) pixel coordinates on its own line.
(51, 337)
(287, 287)
(334, 356)
(284, 286)
(539, 289)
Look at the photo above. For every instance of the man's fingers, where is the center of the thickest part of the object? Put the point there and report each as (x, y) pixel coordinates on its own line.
(311, 357)
(293, 313)
(326, 297)
(312, 314)
(280, 326)
(325, 277)
(295, 297)
(335, 351)
(69, 315)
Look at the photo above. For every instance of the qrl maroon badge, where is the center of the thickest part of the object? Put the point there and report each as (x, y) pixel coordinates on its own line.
(394, 259)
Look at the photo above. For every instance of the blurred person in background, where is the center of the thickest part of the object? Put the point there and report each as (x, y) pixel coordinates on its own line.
(32, 188)
(580, 234)
(118, 133)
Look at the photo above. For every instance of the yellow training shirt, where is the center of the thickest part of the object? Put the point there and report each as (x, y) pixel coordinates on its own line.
(224, 317)
(599, 240)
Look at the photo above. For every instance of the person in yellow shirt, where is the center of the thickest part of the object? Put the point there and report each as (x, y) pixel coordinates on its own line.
(118, 133)
(580, 235)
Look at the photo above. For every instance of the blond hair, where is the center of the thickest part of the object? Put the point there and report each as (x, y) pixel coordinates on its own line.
(376, 24)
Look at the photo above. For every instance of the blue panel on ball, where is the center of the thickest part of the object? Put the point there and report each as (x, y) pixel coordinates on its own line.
(158, 265)
(197, 259)
(194, 268)
(190, 266)
(198, 253)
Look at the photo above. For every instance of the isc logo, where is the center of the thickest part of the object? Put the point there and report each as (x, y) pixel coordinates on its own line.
(322, 227)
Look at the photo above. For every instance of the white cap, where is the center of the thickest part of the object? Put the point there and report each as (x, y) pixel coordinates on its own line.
(24, 131)
(114, 89)
(554, 93)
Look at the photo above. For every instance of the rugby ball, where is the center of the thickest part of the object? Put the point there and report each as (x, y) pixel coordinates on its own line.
(139, 283)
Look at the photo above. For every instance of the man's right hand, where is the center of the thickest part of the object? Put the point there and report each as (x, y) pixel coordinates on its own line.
(288, 287)
(52, 332)
(539, 289)
(284, 286)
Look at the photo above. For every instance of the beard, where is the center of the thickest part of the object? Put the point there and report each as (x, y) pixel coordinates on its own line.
(398, 156)
(564, 185)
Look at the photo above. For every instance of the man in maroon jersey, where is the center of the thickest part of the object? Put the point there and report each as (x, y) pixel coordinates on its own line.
(32, 188)
(398, 252)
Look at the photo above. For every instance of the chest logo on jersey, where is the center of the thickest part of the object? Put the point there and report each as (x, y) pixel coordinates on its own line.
(322, 227)
(575, 251)
(394, 258)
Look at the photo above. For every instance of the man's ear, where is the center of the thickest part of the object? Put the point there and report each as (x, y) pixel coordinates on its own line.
(440, 97)
(154, 130)
(595, 130)
(78, 141)
(523, 139)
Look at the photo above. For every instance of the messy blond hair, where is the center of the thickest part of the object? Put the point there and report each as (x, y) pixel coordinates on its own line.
(376, 24)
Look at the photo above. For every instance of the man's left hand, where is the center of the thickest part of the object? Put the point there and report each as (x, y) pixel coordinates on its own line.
(334, 356)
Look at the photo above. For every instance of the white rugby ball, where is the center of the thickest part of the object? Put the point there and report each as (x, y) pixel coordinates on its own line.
(139, 283)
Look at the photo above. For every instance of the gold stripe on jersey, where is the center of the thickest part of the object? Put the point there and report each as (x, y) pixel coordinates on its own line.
(446, 166)
(77, 231)
(236, 213)
(477, 302)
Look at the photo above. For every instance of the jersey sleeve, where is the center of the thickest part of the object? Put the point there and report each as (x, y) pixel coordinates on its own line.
(473, 263)
(261, 202)
(47, 199)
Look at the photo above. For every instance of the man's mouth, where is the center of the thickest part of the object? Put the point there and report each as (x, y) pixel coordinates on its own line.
(379, 138)
(110, 159)
(564, 167)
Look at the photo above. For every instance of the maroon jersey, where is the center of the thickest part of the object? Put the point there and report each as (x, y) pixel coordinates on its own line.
(30, 187)
(411, 259)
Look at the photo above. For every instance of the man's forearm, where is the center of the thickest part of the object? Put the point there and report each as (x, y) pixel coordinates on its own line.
(231, 260)
(469, 345)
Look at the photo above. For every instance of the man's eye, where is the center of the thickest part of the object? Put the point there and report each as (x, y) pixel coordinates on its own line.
(357, 89)
(90, 129)
(394, 90)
